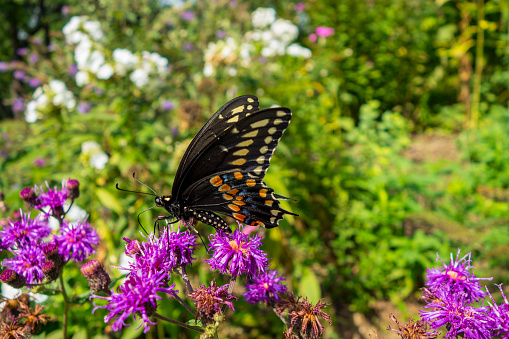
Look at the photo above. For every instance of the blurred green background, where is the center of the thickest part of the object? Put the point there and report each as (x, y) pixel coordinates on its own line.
(397, 150)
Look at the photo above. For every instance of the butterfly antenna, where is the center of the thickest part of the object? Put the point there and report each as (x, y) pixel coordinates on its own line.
(144, 184)
(121, 189)
(206, 248)
(139, 222)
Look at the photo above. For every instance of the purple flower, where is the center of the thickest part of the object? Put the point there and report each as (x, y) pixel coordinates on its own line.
(27, 262)
(84, 107)
(137, 297)
(22, 51)
(167, 105)
(499, 315)
(34, 82)
(4, 66)
(73, 69)
(19, 75)
(18, 105)
(25, 231)
(187, 15)
(237, 254)
(96, 276)
(39, 162)
(265, 288)
(456, 278)
(188, 46)
(33, 58)
(174, 131)
(324, 31)
(210, 300)
(221, 34)
(53, 198)
(37, 41)
(181, 246)
(299, 6)
(450, 309)
(76, 240)
(66, 10)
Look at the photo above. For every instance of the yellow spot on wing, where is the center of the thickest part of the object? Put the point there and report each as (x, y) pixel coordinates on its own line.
(260, 123)
(251, 134)
(233, 119)
(269, 203)
(260, 160)
(281, 114)
(264, 149)
(239, 162)
(241, 152)
(258, 170)
(250, 100)
(238, 109)
(246, 143)
(278, 121)
(272, 130)
(268, 140)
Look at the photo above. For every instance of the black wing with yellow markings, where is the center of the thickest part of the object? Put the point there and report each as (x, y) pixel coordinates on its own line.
(223, 168)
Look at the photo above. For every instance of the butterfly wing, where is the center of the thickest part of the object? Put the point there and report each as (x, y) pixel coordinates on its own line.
(221, 122)
(232, 167)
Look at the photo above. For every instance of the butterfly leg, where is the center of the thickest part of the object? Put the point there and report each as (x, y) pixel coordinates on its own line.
(213, 220)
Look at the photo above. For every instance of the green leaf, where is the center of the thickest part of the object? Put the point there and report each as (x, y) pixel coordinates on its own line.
(309, 286)
(109, 200)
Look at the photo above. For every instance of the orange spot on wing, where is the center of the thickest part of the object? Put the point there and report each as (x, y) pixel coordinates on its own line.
(238, 175)
(240, 217)
(225, 188)
(216, 181)
(263, 193)
(234, 207)
(257, 223)
(250, 182)
(233, 192)
(227, 197)
(240, 203)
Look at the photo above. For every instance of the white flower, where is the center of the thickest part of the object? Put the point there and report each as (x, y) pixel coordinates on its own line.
(94, 29)
(124, 56)
(10, 292)
(82, 78)
(297, 50)
(98, 160)
(139, 77)
(82, 53)
(75, 37)
(208, 70)
(31, 115)
(285, 30)
(263, 17)
(105, 72)
(88, 146)
(96, 61)
(274, 47)
(57, 86)
(232, 71)
(71, 30)
(74, 214)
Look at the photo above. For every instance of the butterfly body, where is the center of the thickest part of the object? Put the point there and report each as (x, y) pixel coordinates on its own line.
(223, 168)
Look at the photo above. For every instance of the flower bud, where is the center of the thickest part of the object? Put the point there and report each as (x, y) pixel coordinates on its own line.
(12, 278)
(72, 188)
(51, 253)
(97, 278)
(29, 197)
(132, 248)
(50, 270)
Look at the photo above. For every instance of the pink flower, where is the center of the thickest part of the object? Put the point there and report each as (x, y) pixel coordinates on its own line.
(299, 6)
(324, 31)
(312, 37)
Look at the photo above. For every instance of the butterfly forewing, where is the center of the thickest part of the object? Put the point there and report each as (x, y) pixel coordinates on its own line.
(221, 122)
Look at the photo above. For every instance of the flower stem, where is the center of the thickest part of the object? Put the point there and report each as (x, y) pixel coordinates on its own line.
(186, 306)
(66, 307)
(194, 328)
(184, 276)
(233, 279)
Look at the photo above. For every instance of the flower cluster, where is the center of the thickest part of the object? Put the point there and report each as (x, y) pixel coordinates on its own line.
(94, 154)
(19, 318)
(450, 295)
(37, 253)
(91, 60)
(270, 37)
(46, 98)
(148, 275)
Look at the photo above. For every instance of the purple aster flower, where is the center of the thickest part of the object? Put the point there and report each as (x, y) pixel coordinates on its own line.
(33, 58)
(188, 46)
(462, 319)
(39, 162)
(167, 105)
(22, 51)
(34, 82)
(237, 254)
(181, 246)
(137, 297)
(25, 231)
(19, 75)
(221, 34)
(210, 300)
(37, 41)
(29, 196)
(53, 198)
(66, 10)
(28, 261)
(76, 240)
(4, 66)
(187, 15)
(456, 278)
(73, 69)
(299, 6)
(18, 105)
(265, 288)
(174, 131)
(499, 315)
(84, 107)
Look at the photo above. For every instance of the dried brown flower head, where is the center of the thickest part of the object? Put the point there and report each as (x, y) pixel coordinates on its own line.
(413, 329)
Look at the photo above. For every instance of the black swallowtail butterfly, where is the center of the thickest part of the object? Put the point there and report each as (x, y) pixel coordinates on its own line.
(223, 168)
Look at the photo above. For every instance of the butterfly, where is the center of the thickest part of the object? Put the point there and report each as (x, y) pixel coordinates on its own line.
(223, 168)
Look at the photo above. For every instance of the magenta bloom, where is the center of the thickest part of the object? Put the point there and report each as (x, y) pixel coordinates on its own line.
(34, 82)
(237, 254)
(167, 105)
(265, 288)
(299, 6)
(76, 240)
(22, 51)
(324, 31)
(28, 261)
(456, 278)
(450, 309)
(53, 198)
(312, 37)
(25, 231)
(499, 315)
(18, 105)
(19, 75)
(137, 297)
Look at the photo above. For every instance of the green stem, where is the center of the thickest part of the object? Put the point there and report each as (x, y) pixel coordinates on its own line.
(479, 61)
(194, 328)
(66, 307)
(186, 306)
